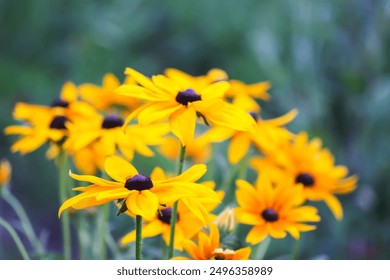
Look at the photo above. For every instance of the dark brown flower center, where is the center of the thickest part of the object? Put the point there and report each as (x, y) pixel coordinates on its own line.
(270, 215)
(254, 116)
(58, 122)
(111, 121)
(305, 178)
(58, 102)
(139, 182)
(219, 257)
(186, 96)
(165, 216)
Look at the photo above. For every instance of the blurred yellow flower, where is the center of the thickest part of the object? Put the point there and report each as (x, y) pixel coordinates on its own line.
(308, 164)
(5, 172)
(141, 195)
(273, 208)
(209, 248)
(226, 220)
(104, 97)
(267, 135)
(182, 100)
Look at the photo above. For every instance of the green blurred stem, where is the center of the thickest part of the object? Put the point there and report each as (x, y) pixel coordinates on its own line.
(259, 251)
(103, 229)
(296, 249)
(138, 237)
(65, 222)
(24, 220)
(175, 205)
(16, 238)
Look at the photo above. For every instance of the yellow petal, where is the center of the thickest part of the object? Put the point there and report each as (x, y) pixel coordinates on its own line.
(183, 123)
(95, 180)
(157, 111)
(257, 234)
(69, 92)
(144, 203)
(239, 147)
(215, 90)
(119, 169)
(168, 85)
(145, 82)
(192, 174)
(150, 229)
(242, 254)
(137, 92)
(334, 205)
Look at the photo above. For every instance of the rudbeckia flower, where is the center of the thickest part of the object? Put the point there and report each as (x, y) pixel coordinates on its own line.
(209, 248)
(5, 172)
(139, 194)
(308, 164)
(104, 97)
(95, 137)
(182, 102)
(273, 211)
(267, 135)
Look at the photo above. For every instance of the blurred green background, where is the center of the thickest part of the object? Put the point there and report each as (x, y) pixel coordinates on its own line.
(330, 59)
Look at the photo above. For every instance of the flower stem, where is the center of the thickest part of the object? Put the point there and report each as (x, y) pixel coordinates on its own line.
(260, 250)
(105, 212)
(138, 238)
(16, 238)
(296, 249)
(65, 222)
(24, 220)
(175, 205)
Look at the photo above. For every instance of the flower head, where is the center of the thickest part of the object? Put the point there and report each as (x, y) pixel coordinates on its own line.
(307, 164)
(140, 194)
(181, 100)
(273, 210)
(209, 248)
(5, 172)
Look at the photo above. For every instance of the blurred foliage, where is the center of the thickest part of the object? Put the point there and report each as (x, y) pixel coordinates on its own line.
(330, 59)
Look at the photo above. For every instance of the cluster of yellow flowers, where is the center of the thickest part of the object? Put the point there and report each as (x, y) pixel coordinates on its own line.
(102, 127)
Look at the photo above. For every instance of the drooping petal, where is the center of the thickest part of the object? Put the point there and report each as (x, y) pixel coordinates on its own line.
(144, 203)
(257, 234)
(149, 230)
(239, 147)
(183, 124)
(95, 180)
(119, 169)
(334, 205)
(157, 111)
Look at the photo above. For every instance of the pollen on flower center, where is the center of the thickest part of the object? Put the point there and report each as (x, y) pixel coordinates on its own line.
(139, 182)
(112, 121)
(221, 254)
(58, 122)
(59, 102)
(186, 96)
(305, 178)
(270, 215)
(165, 216)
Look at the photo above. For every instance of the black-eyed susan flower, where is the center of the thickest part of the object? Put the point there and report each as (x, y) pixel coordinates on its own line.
(187, 224)
(94, 137)
(210, 248)
(306, 163)
(104, 97)
(273, 210)
(139, 194)
(267, 135)
(182, 102)
(5, 172)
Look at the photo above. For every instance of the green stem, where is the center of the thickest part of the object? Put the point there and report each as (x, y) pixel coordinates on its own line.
(24, 220)
(296, 249)
(258, 253)
(175, 205)
(138, 238)
(16, 238)
(65, 222)
(103, 228)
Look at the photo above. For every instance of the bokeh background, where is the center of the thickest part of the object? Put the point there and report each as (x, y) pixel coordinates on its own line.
(330, 59)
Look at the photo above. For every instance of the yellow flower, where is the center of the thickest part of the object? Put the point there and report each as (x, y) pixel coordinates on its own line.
(5, 172)
(94, 137)
(46, 124)
(104, 97)
(141, 195)
(273, 210)
(267, 135)
(209, 248)
(308, 164)
(182, 102)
